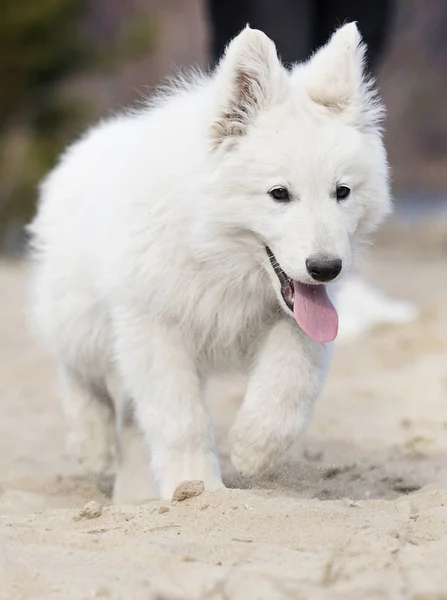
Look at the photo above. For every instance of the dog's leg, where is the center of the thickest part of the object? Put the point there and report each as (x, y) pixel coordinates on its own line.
(160, 374)
(285, 382)
(91, 428)
(133, 484)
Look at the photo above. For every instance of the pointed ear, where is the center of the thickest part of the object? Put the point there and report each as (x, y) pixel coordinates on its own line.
(249, 79)
(335, 78)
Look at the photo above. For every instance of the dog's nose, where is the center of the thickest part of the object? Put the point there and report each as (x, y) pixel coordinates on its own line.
(323, 268)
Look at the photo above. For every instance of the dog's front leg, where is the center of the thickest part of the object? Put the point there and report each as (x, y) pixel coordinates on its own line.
(286, 380)
(159, 373)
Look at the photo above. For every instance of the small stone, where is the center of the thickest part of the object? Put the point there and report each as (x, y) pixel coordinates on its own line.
(102, 592)
(204, 506)
(189, 559)
(163, 509)
(91, 510)
(188, 489)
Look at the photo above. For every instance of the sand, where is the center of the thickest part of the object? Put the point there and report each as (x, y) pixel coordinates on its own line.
(357, 510)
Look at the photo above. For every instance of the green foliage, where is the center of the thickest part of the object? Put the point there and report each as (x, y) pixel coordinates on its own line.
(40, 44)
(135, 38)
(43, 45)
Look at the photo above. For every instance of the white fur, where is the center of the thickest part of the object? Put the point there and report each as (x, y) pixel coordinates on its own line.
(149, 242)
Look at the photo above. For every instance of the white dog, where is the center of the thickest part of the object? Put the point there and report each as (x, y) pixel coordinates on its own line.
(196, 237)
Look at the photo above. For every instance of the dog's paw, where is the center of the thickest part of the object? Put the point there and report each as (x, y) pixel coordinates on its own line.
(187, 466)
(246, 462)
(251, 452)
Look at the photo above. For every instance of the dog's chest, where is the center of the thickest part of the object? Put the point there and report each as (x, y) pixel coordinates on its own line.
(229, 336)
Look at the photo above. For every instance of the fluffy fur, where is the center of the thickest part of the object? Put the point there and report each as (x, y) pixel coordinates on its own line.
(151, 269)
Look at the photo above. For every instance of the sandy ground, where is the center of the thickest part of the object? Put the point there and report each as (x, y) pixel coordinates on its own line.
(357, 510)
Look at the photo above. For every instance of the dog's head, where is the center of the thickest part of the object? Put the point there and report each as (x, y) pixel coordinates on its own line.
(301, 164)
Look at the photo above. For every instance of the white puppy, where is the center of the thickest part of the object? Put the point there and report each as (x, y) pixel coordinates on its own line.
(197, 236)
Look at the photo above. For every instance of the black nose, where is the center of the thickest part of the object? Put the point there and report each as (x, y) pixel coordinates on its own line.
(323, 268)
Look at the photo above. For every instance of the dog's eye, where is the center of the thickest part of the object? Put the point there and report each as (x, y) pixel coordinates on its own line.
(280, 194)
(342, 192)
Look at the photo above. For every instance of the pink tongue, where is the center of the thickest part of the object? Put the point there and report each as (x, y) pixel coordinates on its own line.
(314, 312)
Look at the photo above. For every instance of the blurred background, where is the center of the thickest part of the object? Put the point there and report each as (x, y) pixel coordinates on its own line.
(380, 429)
(65, 63)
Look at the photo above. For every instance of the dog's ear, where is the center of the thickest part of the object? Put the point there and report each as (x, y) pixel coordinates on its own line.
(249, 78)
(335, 78)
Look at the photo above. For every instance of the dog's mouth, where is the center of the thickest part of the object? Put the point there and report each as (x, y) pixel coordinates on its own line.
(313, 311)
(287, 291)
